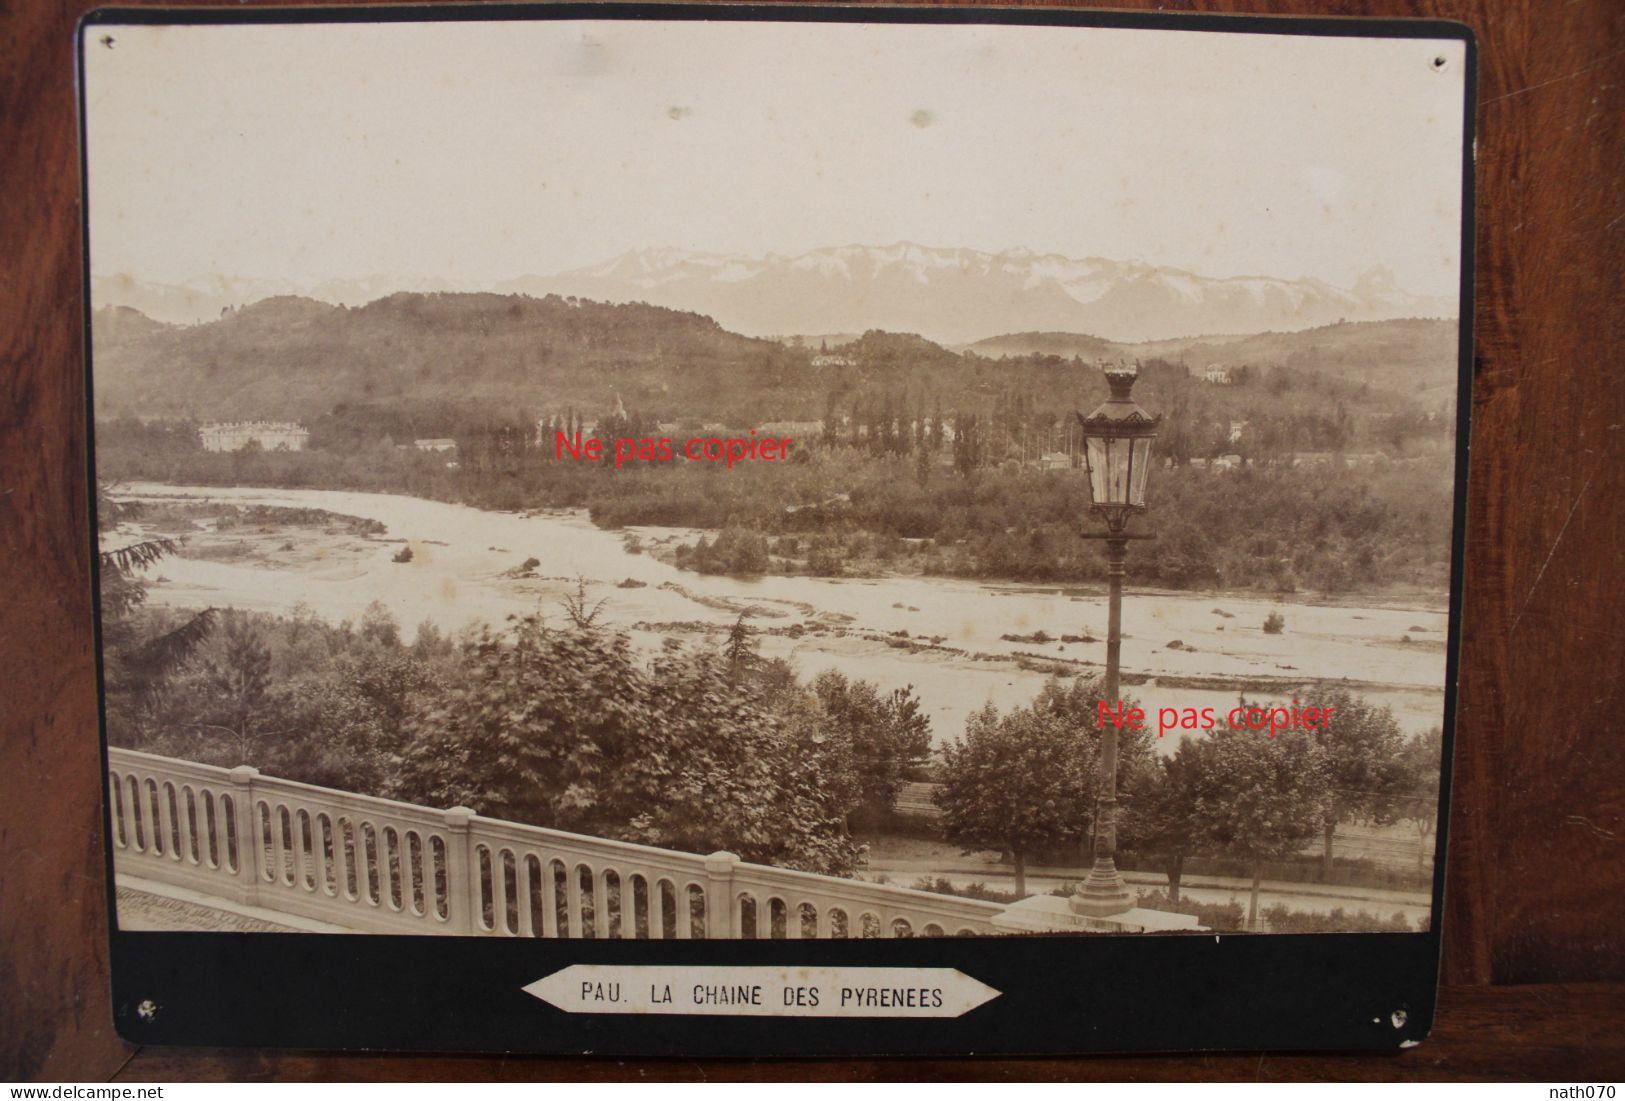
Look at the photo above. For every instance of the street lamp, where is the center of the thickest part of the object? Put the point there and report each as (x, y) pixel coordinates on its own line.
(1117, 453)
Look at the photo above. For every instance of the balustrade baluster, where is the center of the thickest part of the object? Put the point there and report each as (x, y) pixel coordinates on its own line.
(683, 899)
(600, 902)
(526, 898)
(164, 844)
(126, 809)
(572, 898)
(279, 845)
(499, 891)
(550, 901)
(304, 828)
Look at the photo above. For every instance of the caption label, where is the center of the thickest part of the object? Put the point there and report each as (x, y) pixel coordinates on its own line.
(763, 991)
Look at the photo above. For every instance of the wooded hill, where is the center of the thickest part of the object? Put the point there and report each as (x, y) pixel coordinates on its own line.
(425, 364)
(296, 358)
(1408, 356)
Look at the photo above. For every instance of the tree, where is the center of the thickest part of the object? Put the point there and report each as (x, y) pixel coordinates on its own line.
(221, 709)
(583, 614)
(970, 449)
(349, 721)
(739, 651)
(1418, 803)
(1029, 781)
(1023, 783)
(379, 625)
(889, 736)
(138, 666)
(1164, 820)
(739, 552)
(1261, 798)
(1366, 768)
(240, 684)
(569, 730)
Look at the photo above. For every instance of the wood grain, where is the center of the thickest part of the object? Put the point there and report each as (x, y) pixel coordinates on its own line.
(1535, 876)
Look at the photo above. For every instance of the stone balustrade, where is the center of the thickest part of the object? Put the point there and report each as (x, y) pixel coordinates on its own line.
(379, 866)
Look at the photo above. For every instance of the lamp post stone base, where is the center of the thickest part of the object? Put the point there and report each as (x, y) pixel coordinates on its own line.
(1049, 914)
(1103, 892)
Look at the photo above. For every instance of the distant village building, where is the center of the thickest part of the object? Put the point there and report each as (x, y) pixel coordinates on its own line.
(269, 435)
(1337, 458)
(1218, 374)
(437, 444)
(792, 430)
(832, 360)
(1218, 462)
(546, 429)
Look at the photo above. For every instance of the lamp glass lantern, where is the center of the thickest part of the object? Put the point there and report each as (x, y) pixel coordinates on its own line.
(1117, 448)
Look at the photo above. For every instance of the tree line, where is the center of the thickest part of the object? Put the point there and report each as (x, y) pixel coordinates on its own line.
(840, 508)
(1026, 782)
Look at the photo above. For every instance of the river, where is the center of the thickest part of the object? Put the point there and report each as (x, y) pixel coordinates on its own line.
(461, 554)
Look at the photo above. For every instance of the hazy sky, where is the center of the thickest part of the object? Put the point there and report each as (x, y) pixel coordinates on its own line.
(477, 152)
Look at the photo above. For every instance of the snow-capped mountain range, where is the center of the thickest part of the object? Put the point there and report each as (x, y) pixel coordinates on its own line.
(950, 295)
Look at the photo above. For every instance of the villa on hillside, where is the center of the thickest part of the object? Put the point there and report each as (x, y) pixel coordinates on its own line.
(269, 435)
(1218, 374)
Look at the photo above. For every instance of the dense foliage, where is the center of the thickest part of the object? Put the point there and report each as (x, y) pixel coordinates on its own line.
(570, 729)
(696, 749)
(1026, 781)
(1259, 799)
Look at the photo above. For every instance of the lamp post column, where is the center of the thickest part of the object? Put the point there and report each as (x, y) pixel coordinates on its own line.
(1103, 892)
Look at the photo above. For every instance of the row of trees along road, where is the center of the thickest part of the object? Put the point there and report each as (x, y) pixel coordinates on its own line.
(1025, 782)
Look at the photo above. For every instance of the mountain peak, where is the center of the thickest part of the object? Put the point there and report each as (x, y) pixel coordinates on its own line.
(1377, 280)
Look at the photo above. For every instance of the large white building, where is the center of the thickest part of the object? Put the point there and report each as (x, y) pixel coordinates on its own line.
(270, 435)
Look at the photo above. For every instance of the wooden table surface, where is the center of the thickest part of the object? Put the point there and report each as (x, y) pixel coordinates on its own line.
(1534, 946)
